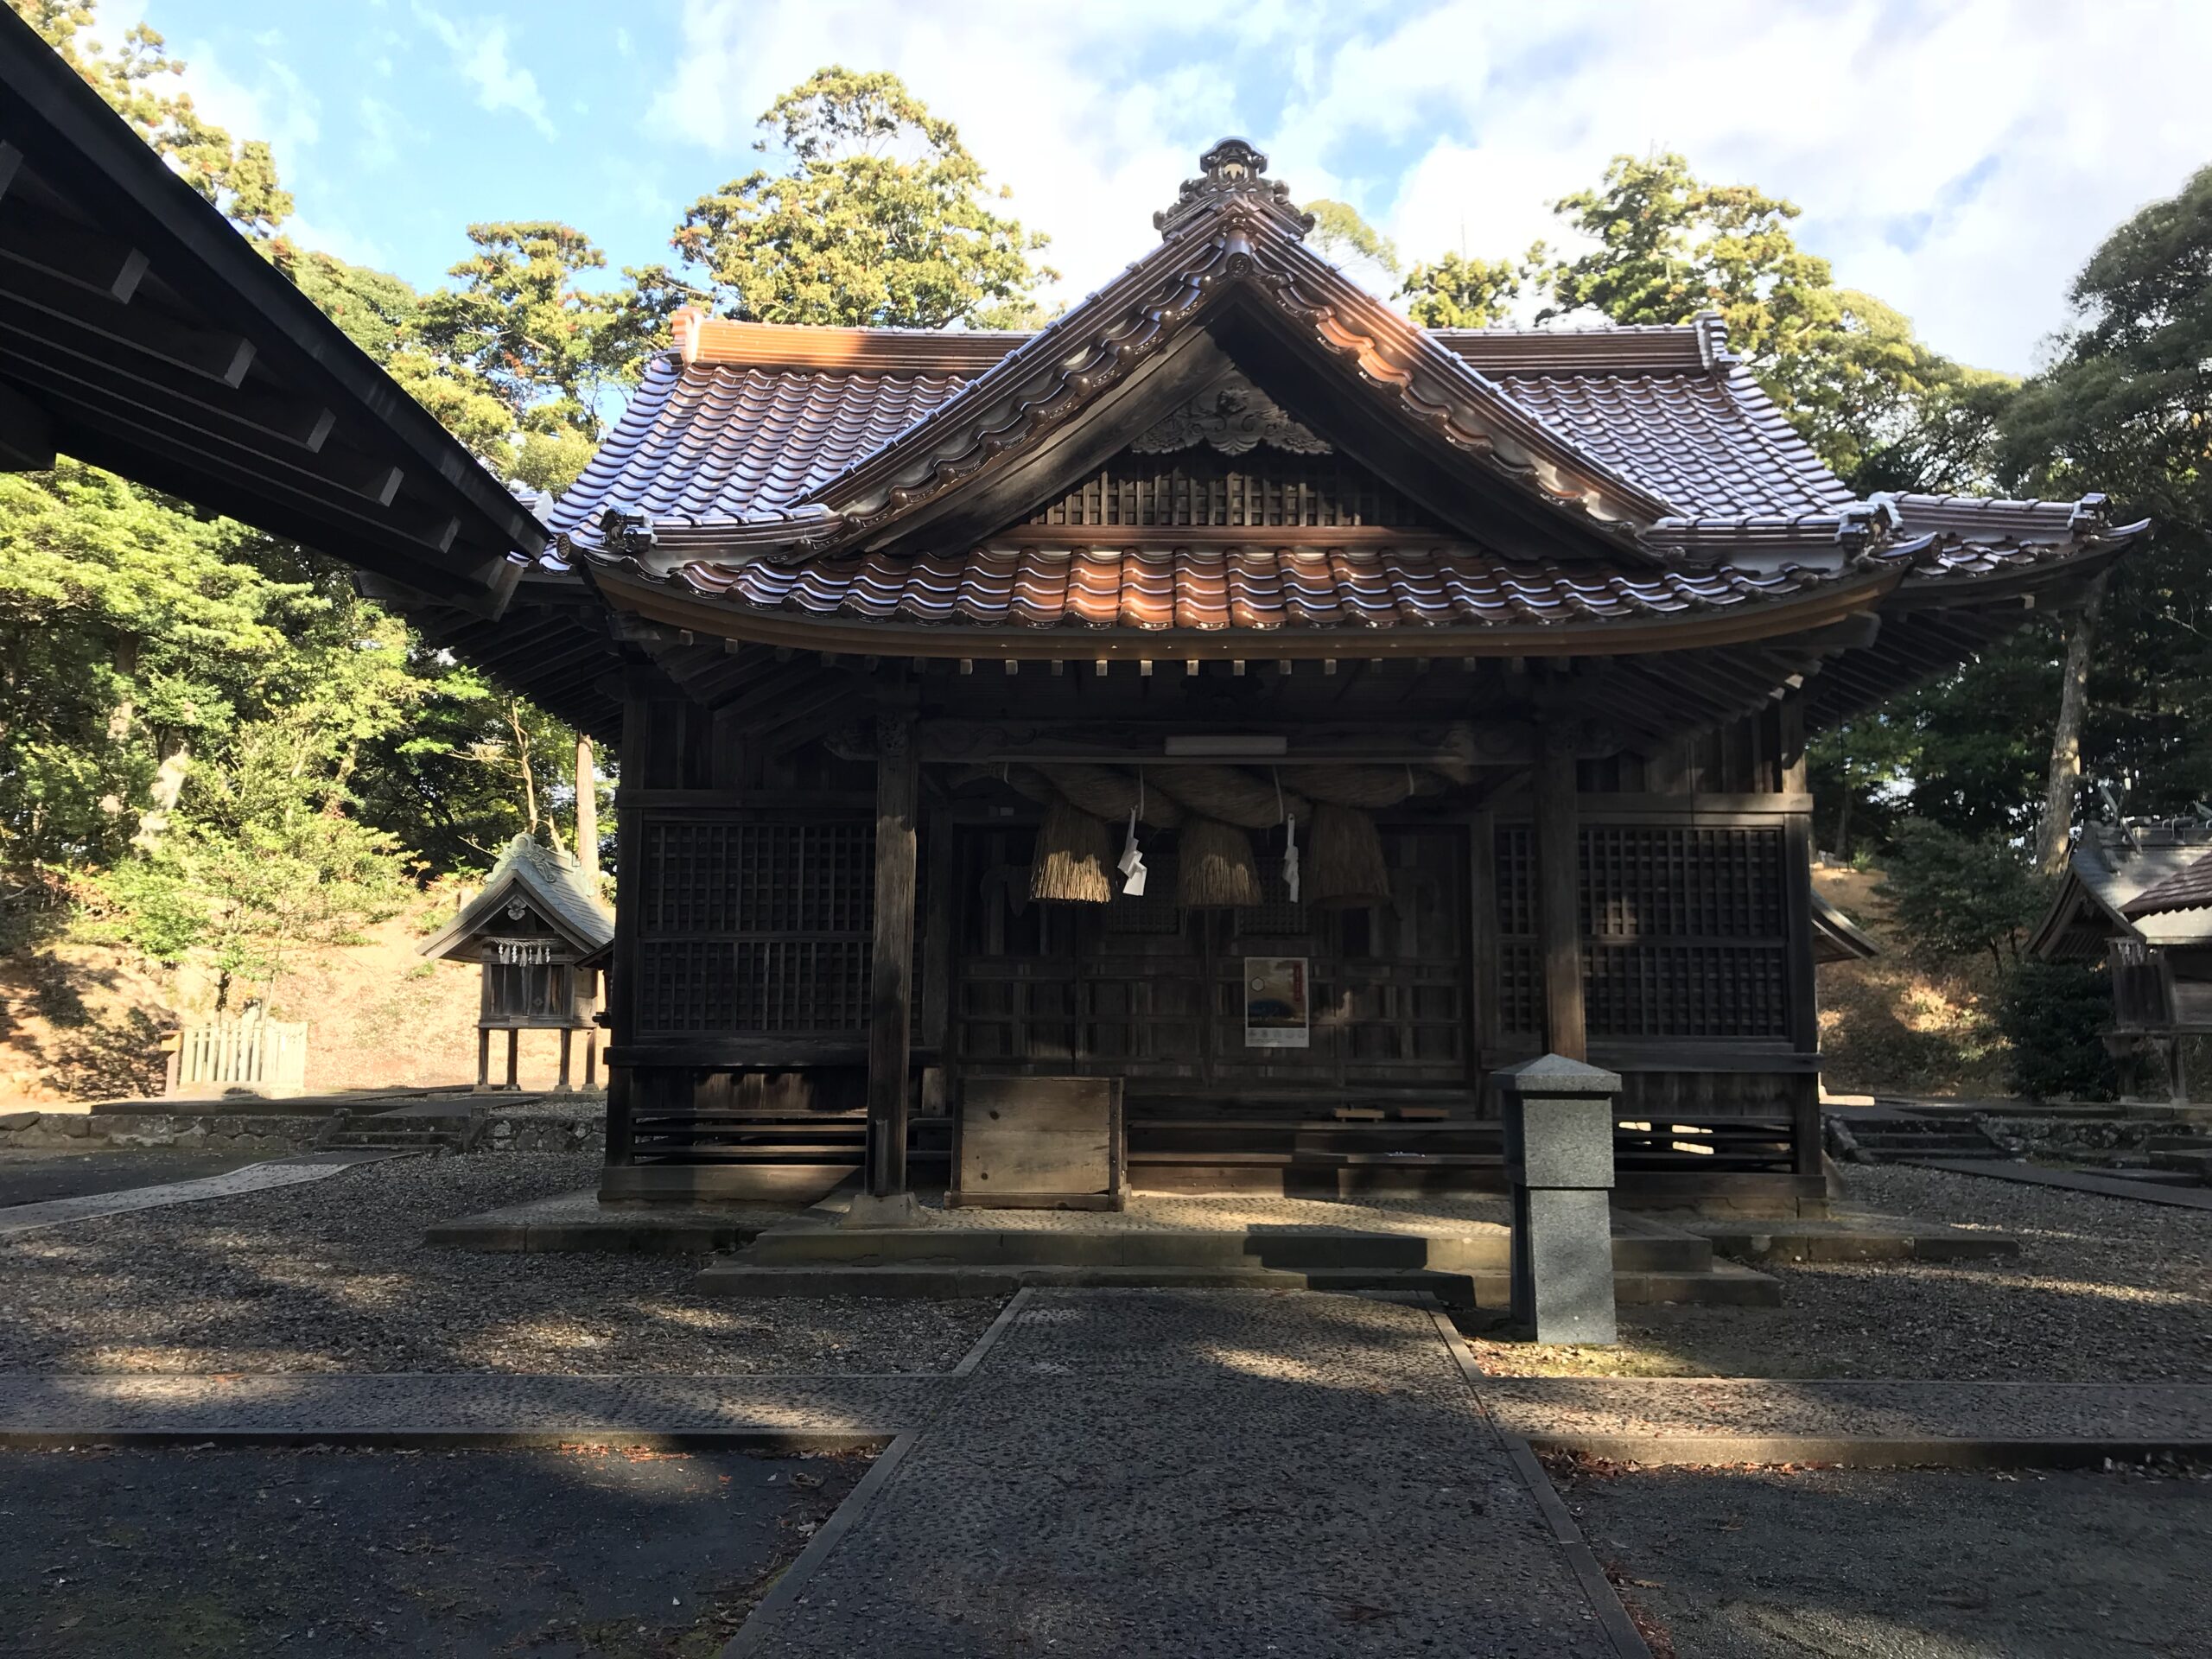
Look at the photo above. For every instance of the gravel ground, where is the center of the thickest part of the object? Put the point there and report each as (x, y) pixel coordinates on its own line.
(2103, 1290)
(368, 1554)
(1903, 1564)
(332, 1276)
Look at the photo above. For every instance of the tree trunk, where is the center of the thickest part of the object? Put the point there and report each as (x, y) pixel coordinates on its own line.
(2057, 835)
(587, 811)
(529, 773)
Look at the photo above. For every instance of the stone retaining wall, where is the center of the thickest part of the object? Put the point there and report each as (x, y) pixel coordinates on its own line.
(196, 1130)
(546, 1134)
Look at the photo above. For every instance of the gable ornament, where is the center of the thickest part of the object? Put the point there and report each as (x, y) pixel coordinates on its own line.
(1235, 418)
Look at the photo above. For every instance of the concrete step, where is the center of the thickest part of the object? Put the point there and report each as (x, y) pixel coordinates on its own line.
(1723, 1284)
(1296, 1252)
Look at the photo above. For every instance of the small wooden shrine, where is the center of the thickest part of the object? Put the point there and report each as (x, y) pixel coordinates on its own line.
(540, 935)
(1239, 693)
(2137, 896)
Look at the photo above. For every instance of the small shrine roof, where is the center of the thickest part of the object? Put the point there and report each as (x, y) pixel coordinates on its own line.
(552, 883)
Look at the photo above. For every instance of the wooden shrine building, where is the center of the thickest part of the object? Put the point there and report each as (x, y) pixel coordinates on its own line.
(2137, 896)
(540, 934)
(1518, 636)
(973, 691)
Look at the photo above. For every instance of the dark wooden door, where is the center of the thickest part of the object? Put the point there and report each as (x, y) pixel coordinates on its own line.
(1145, 989)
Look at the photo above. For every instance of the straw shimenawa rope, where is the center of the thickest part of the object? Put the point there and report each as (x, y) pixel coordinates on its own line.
(1107, 793)
(1344, 866)
(1074, 860)
(1214, 867)
(1368, 786)
(1227, 794)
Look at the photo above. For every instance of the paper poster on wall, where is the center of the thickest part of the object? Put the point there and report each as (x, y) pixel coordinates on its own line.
(1276, 1013)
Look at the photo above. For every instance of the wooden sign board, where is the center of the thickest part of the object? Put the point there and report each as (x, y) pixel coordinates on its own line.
(1038, 1143)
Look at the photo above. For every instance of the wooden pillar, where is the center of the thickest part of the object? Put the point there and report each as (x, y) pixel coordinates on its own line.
(483, 1056)
(514, 1056)
(1805, 1009)
(1559, 882)
(567, 1036)
(591, 1057)
(891, 990)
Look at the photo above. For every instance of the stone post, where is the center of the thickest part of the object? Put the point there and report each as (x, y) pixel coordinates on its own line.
(1559, 1166)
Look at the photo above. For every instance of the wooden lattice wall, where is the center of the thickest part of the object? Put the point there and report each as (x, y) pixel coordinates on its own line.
(754, 926)
(1200, 488)
(1685, 932)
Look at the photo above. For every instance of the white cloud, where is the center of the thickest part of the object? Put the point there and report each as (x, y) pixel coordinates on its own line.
(1960, 158)
(479, 49)
(376, 134)
(340, 241)
(270, 103)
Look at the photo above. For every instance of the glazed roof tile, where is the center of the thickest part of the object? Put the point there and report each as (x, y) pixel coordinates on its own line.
(1209, 589)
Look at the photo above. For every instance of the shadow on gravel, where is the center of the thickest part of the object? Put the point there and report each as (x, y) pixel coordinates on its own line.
(1908, 1564)
(368, 1555)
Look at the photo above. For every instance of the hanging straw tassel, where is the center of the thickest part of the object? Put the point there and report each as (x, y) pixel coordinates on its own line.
(1343, 864)
(1074, 860)
(1214, 867)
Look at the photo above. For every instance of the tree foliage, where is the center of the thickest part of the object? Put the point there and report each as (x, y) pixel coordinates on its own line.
(1456, 291)
(138, 80)
(1866, 392)
(2052, 1016)
(1957, 897)
(879, 216)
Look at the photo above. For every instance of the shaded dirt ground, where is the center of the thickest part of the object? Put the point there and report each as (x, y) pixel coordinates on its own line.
(2104, 1289)
(1903, 1564)
(558, 1554)
(33, 1177)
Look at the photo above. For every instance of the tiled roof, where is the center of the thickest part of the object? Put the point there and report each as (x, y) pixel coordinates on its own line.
(758, 464)
(724, 442)
(553, 881)
(1262, 586)
(2187, 888)
(1710, 443)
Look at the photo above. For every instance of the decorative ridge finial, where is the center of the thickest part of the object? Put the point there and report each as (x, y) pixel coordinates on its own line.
(1233, 170)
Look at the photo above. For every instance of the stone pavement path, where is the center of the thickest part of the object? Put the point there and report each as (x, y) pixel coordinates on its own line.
(254, 1178)
(1224, 1473)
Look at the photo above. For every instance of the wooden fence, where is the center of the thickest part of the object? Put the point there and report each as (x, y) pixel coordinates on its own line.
(262, 1056)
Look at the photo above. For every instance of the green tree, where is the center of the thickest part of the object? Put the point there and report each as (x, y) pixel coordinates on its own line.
(1957, 897)
(2125, 408)
(138, 81)
(522, 323)
(212, 723)
(1459, 292)
(1848, 371)
(879, 217)
(265, 869)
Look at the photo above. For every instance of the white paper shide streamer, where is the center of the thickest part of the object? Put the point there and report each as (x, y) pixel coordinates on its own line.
(1132, 861)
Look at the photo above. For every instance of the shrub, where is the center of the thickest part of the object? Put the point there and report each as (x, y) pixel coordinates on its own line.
(2051, 1014)
(1955, 898)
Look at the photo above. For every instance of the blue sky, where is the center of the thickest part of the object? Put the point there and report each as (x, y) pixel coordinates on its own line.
(1959, 160)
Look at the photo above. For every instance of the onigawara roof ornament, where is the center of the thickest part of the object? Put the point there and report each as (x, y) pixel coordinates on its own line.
(1232, 168)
